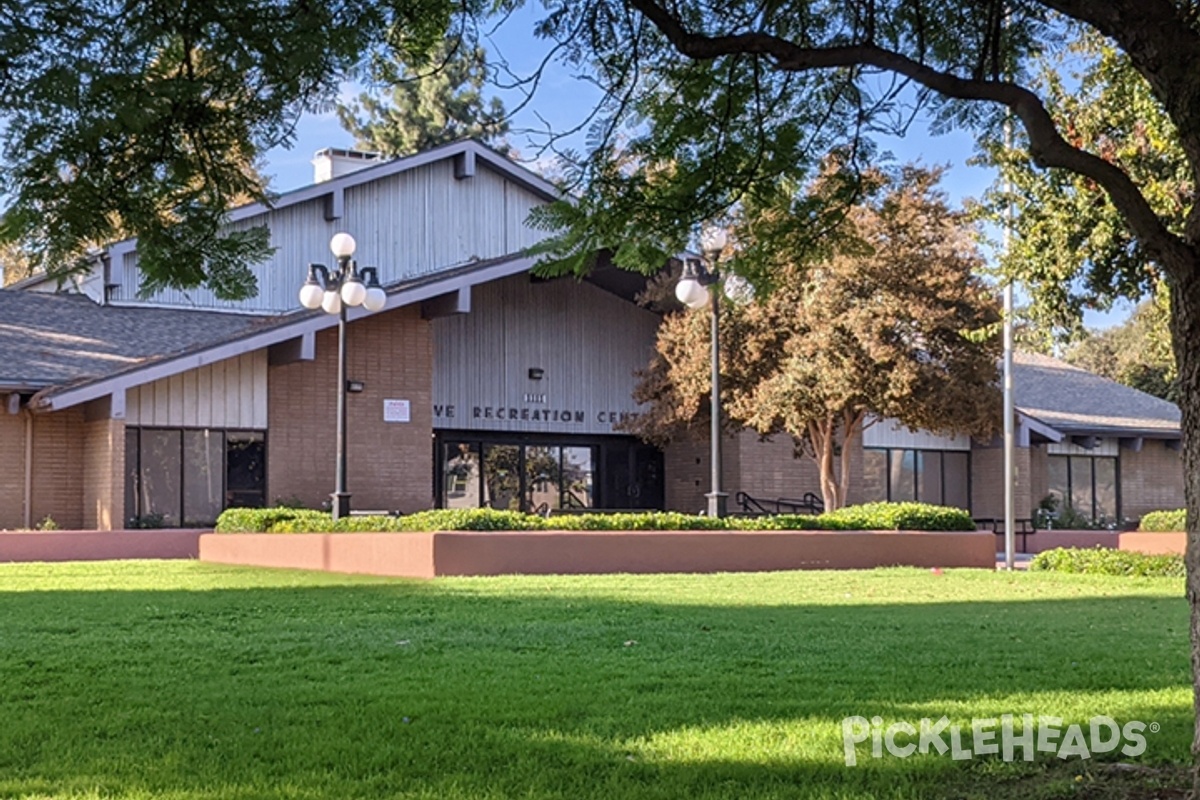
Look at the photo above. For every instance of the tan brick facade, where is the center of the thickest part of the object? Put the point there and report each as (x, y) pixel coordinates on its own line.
(76, 478)
(1151, 479)
(390, 465)
(103, 474)
(763, 468)
(987, 483)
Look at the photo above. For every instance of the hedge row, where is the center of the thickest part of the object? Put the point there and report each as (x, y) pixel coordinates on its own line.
(1165, 521)
(1103, 561)
(872, 516)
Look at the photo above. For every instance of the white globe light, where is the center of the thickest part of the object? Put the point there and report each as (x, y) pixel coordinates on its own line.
(691, 293)
(738, 289)
(331, 302)
(311, 295)
(353, 293)
(342, 245)
(376, 299)
(713, 240)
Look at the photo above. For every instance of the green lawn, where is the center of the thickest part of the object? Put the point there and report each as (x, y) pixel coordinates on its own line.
(187, 680)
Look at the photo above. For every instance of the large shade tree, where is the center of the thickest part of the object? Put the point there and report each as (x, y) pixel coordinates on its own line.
(893, 324)
(709, 100)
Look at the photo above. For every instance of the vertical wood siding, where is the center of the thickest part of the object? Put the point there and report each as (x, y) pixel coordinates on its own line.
(227, 394)
(890, 433)
(589, 343)
(417, 222)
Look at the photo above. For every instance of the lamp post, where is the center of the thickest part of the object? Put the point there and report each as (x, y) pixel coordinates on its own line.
(693, 292)
(334, 291)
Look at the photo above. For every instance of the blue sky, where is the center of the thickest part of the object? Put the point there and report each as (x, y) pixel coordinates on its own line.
(563, 101)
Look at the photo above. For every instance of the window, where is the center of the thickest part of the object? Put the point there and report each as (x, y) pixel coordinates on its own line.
(940, 477)
(546, 473)
(1088, 483)
(189, 476)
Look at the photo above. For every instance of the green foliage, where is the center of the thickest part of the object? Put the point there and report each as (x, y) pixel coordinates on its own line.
(437, 102)
(1165, 521)
(872, 516)
(1105, 561)
(1072, 247)
(1137, 353)
(47, 524)
(898, 517)
(149, 521)
(148, 120)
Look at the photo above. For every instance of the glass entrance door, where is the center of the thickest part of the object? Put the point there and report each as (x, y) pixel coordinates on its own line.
(547, 474)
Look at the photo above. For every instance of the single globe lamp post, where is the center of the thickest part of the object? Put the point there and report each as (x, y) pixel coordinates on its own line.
(335, 291)
(692, 290)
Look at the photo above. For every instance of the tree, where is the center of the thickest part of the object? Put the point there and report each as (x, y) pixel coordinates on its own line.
(733, 95)
(442, 103)
(893, 325)
(145, 119)
(1136, 353)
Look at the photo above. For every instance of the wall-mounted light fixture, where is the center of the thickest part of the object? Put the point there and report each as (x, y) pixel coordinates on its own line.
(354, 387)
(536, 373)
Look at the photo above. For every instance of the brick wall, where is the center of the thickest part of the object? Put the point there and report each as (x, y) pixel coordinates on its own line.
(12, 476)
(687, 471)
(761, 468)
(58, 467)
(987, 482)
(390, 465)
(103, 474)
(1151, 479)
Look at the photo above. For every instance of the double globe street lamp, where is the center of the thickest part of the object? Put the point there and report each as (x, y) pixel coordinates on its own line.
(335, 291)
(692, 290)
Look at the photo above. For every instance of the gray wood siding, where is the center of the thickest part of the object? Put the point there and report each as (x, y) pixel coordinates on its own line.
(414, 223)
(588, 341)
(227, 394)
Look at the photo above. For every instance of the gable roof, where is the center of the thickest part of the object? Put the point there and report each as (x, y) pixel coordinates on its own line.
(125, 348)
(54, 339)
(1075, 401)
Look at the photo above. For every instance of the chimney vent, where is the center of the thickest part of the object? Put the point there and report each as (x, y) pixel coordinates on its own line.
(333, 162)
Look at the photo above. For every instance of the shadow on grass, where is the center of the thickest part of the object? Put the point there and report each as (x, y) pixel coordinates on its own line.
(439, 690)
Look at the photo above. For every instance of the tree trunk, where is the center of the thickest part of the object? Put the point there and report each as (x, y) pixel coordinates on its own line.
(1185, 332)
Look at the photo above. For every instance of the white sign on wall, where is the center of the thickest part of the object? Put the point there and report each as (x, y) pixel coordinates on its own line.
(397, 411)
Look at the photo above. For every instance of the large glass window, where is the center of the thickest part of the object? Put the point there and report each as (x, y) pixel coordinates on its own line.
(203, 479)
(188, 476)
(544, 474)
(460, 475)
(940, 477)
(1089, 484)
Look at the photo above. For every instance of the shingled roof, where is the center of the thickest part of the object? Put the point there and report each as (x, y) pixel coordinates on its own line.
(57, 339)
(1074, 401)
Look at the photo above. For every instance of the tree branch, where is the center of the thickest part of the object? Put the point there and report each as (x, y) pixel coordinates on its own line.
(1047, 146)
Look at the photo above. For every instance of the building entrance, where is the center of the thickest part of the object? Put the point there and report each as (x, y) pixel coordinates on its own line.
(542, 473)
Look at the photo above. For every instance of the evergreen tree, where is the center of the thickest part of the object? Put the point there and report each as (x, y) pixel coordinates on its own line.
(439, 102)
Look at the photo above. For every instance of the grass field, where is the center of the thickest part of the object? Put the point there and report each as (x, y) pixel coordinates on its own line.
(186, 680)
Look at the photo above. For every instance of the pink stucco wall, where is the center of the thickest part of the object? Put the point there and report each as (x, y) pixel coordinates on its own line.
(427, 555)
(99, 545)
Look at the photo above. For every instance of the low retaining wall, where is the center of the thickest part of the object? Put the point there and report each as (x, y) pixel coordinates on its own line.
(1154, 544)
(99, 545)
(427, 555)
(1051, 539)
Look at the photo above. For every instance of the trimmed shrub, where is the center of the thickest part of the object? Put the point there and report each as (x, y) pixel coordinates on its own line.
(1105, 561)
(873, 516)
(897, 517)
(1165, 521)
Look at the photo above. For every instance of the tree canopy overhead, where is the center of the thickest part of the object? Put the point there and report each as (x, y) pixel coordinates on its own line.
(147, 118)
